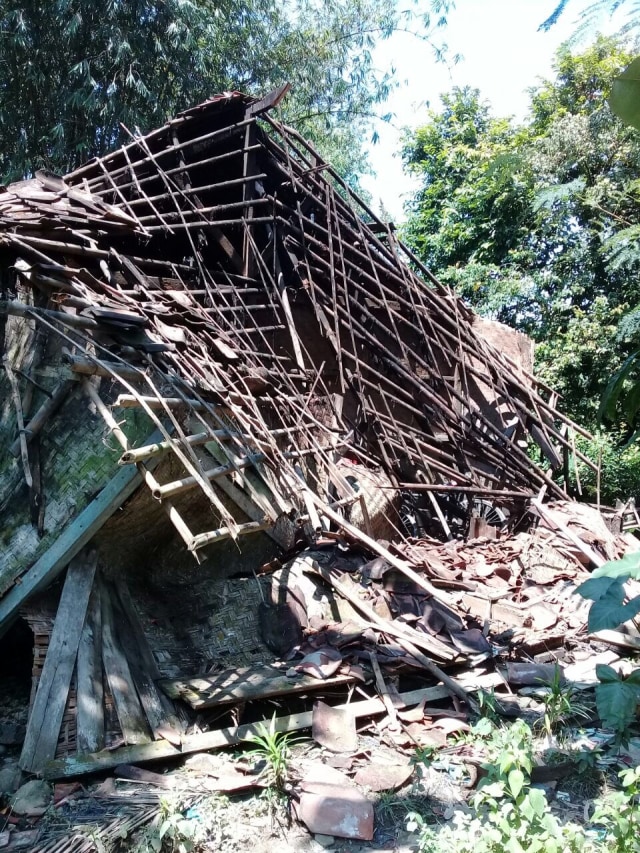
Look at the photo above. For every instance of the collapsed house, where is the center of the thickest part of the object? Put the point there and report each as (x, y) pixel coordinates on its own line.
(215, 357)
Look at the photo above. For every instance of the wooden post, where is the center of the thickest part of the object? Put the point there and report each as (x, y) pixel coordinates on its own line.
(43, 728)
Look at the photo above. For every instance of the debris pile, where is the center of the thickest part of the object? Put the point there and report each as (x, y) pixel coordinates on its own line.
(280, 463)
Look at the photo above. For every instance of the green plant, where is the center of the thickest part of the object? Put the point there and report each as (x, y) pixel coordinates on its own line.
(170, 831)
(616, 696)
(617, 700)
(605, 588)
(488, 705)
(509, 815)
(180, 827)
(275, 748)
(619, 814)
(561, 705)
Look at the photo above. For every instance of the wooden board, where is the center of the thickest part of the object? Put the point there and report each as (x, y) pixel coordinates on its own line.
(161, 749)
(142, 666)
(244, 684)
(46, 715)
(125, 696)
(90, 713)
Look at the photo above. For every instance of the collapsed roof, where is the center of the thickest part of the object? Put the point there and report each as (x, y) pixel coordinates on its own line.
(219, 278)
(220, 266)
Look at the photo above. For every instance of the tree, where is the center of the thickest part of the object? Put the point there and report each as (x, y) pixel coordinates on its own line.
(592, 18)
(74, 71)
(531, 224)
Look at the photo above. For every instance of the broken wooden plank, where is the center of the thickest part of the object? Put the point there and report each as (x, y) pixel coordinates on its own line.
(555, 524)
(243, 685)
(379, 549)
(74, 537)
(46, 715)
(90, 713)
(271, 100)
(130, 714)
(79, 765)
(143, 669)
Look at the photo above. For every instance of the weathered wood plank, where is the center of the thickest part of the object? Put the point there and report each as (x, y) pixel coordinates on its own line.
(243, 685)
(43, 728)
(82, 764)
(142, 666)
(128, 708)
(90, 714)
(74, 537)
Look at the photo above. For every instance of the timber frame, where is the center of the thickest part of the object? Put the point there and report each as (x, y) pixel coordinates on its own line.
(232, 287)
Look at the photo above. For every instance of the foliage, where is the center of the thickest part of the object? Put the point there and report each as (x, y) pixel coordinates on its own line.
(536, 225)
(619, 814)
(605, 588)
(74, 71)
(596, 13)
(509, 815)
(488, 705)
(616, 696)
(562, 705)
(275, 748)
(617, 700)
(620, 467)
(178, 829)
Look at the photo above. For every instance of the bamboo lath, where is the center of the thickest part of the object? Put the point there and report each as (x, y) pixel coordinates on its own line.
(224, 276)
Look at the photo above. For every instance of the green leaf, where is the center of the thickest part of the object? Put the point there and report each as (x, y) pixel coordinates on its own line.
(514, 846)
(628, 565)
(538, 801)
(493, 789)
(616, 698)
(516, 782)
(595, 588)
(625, 95)
(609, 611)
(606, 674)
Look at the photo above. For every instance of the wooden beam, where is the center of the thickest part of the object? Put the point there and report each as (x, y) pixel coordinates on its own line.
(73, 538)
(90, 714)
(142, 664)
(46, 715)
(22, 440)
(79, 765)
(116, 666)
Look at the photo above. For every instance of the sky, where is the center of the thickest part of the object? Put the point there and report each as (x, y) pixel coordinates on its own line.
(503, 55)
